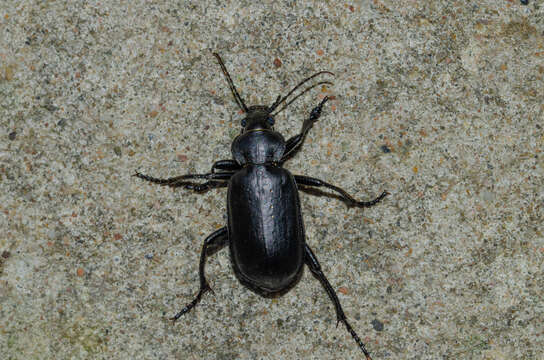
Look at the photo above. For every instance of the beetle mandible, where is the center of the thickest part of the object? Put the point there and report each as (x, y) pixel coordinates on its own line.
(265, 232)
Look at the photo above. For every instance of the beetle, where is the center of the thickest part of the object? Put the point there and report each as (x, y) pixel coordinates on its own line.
(265, 231)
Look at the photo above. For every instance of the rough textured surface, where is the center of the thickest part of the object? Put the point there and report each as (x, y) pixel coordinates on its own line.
(439, 102)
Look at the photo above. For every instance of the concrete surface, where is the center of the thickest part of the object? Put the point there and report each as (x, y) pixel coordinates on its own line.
(438, 102)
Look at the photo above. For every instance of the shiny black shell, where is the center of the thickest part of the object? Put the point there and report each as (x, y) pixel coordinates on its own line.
(258, 147)
(265, 228)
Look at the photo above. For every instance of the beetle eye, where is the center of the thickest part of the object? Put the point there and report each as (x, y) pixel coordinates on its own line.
(270, 120)
(239, 118)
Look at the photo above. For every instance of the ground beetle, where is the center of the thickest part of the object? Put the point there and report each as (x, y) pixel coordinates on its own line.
(265, 232)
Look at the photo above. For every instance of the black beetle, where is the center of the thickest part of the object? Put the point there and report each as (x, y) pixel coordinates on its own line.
(265, 232)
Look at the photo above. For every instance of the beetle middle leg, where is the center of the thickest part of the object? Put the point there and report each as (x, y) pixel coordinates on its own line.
(206, 186)
(309, 181)
(213, 243)
(294, 143)
(182, 180)
(315, 268)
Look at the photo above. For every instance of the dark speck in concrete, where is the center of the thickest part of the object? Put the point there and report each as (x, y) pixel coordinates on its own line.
(377, 325)
(385, 149)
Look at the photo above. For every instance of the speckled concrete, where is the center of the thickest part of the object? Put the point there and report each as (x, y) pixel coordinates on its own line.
(438, 102)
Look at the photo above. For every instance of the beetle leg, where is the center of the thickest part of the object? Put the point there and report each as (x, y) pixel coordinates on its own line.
(182, 180)
(311, 260)
(213, 243)
(309, 181)
(228, 165)
(294, 143)
(211, 184)
(206, 186)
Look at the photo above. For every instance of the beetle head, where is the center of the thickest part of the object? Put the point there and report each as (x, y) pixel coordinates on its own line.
(257, 117)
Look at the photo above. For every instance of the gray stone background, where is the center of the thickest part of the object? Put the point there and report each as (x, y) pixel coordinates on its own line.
(438, 102)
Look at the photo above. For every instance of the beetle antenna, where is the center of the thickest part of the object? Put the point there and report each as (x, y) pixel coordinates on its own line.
(233, 90)
(277, 102)
(302, 93)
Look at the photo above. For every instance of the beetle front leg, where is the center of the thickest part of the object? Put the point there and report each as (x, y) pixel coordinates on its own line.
(311, 260)
(226, 165)
(294, 143)
(213, 243)
(309, 181)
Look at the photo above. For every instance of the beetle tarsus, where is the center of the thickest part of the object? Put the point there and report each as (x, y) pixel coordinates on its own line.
(372, 202)
(294, 143)
(192, 304)
(316, 112)
(357, 339)
(151, 179)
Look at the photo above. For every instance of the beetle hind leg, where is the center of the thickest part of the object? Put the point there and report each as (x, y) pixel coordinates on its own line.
(213, 243)
(315, 268)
